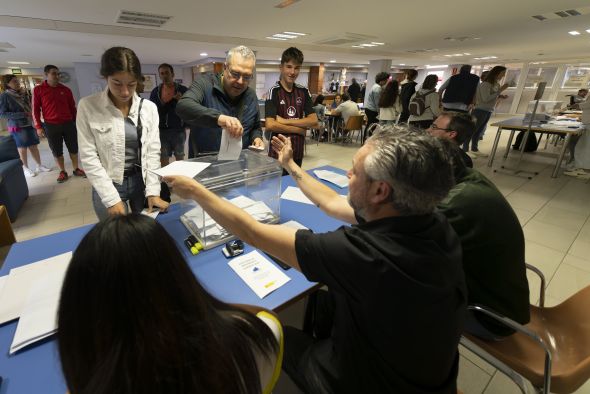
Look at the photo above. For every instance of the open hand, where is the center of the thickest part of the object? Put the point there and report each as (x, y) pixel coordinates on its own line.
(282, 145)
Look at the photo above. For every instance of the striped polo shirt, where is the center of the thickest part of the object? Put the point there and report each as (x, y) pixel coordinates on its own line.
(289, 105)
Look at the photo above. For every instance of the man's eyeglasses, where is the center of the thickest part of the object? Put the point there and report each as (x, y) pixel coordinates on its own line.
(236, 75)
(433, 126)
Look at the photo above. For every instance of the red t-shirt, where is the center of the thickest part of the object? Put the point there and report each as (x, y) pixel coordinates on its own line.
(57, 104)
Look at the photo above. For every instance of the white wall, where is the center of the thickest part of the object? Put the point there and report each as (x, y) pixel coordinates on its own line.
(72, 83)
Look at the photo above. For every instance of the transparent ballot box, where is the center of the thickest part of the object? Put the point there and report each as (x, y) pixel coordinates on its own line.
(545, 110)
(253, 183)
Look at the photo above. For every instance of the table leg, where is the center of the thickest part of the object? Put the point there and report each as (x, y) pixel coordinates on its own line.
(494, 147)
(509, 143)
(561, 154)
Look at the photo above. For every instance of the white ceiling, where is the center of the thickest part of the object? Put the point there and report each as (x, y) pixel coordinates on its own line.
(62, 31)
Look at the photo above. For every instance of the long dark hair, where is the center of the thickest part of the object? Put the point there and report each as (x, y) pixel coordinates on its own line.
(120, 59)
(494, 74)
(133, 319)
(389, 94)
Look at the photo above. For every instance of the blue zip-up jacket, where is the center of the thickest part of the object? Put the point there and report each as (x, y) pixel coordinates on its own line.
(201, 106)
(167, 112)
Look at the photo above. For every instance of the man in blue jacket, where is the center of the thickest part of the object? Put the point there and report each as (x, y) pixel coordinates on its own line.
(223, 101)
(166, 96)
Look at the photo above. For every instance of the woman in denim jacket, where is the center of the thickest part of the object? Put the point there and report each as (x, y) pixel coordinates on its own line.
(16, 108)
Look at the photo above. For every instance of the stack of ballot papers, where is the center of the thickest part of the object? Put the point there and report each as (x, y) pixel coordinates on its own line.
(203, 226)
(330, 176)
(259, 273)
(31, 292)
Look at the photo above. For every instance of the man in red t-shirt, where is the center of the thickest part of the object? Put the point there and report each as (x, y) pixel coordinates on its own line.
(59, 114)
(288, 108)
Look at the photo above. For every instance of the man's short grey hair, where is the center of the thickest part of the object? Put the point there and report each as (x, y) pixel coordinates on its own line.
(245, 52)
(417, 166)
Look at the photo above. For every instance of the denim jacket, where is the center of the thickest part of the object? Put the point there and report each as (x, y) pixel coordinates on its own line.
(10, 110)
(101, 137)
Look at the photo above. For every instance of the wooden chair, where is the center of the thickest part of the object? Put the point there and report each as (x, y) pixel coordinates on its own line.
(551, 352)
(6, 233)
(354, 123)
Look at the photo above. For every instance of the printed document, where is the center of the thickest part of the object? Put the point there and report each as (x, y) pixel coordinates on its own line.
(259, 273)
(19, 282)
(38, 318)
(332, 177)
(230, 147)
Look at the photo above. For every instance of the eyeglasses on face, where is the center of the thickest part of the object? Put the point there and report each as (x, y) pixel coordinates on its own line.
(433, 126)
(236, 75)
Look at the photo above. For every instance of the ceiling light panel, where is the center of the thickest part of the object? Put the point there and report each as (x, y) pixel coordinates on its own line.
(574, 33)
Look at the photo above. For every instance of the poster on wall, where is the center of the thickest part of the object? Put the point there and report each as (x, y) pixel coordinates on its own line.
(150, 82)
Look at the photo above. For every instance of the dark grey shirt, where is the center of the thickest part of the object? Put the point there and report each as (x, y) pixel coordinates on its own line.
(131, 145)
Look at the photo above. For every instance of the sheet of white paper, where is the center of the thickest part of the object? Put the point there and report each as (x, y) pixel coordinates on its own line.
(153, 214)
(294, 224)
(295, 194)
(2, 282)
(38, 317)
(181, 167)
(332, 177)
(19, 281)
(259, 273)
(230, 148)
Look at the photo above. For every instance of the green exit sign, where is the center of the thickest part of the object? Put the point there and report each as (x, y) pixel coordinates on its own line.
(16, 71)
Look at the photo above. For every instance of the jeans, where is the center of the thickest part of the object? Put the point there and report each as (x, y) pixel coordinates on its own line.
(131, 191)
(482, 117)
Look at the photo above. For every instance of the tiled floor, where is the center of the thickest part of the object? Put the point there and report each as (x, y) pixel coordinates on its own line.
(553, 212)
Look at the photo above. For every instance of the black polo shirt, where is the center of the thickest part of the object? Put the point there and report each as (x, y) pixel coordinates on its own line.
(400, 300)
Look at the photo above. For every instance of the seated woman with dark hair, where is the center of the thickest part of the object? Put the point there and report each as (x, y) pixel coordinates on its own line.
(133, 319)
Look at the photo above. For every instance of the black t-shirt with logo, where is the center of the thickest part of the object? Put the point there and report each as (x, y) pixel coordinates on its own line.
(289, 105)
(400, 299)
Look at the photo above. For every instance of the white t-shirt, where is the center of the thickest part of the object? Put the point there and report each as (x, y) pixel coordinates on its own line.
(347, 109)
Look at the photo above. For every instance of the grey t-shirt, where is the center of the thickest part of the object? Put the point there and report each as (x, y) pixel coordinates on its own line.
(131, 145)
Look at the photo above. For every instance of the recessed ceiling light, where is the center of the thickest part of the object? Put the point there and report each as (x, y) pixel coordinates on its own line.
(288, 36)
(358, 46)
(332, 61)
(378, 43)
(277, 38)
(587, 30)
(204, 54)
(294, 33)
(466, 54)
(437, 66)
(18, 62)
(402, 64)
(574, 33)
(368, 45)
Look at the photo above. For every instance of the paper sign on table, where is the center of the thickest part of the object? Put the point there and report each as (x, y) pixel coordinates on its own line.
(181, 167)
(259, 273)
(230, 147)
(38, 318)
(19, 282)
(332, 177)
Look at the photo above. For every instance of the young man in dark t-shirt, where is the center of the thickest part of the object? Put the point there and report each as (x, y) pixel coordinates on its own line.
(288, 108)
(394, 276)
